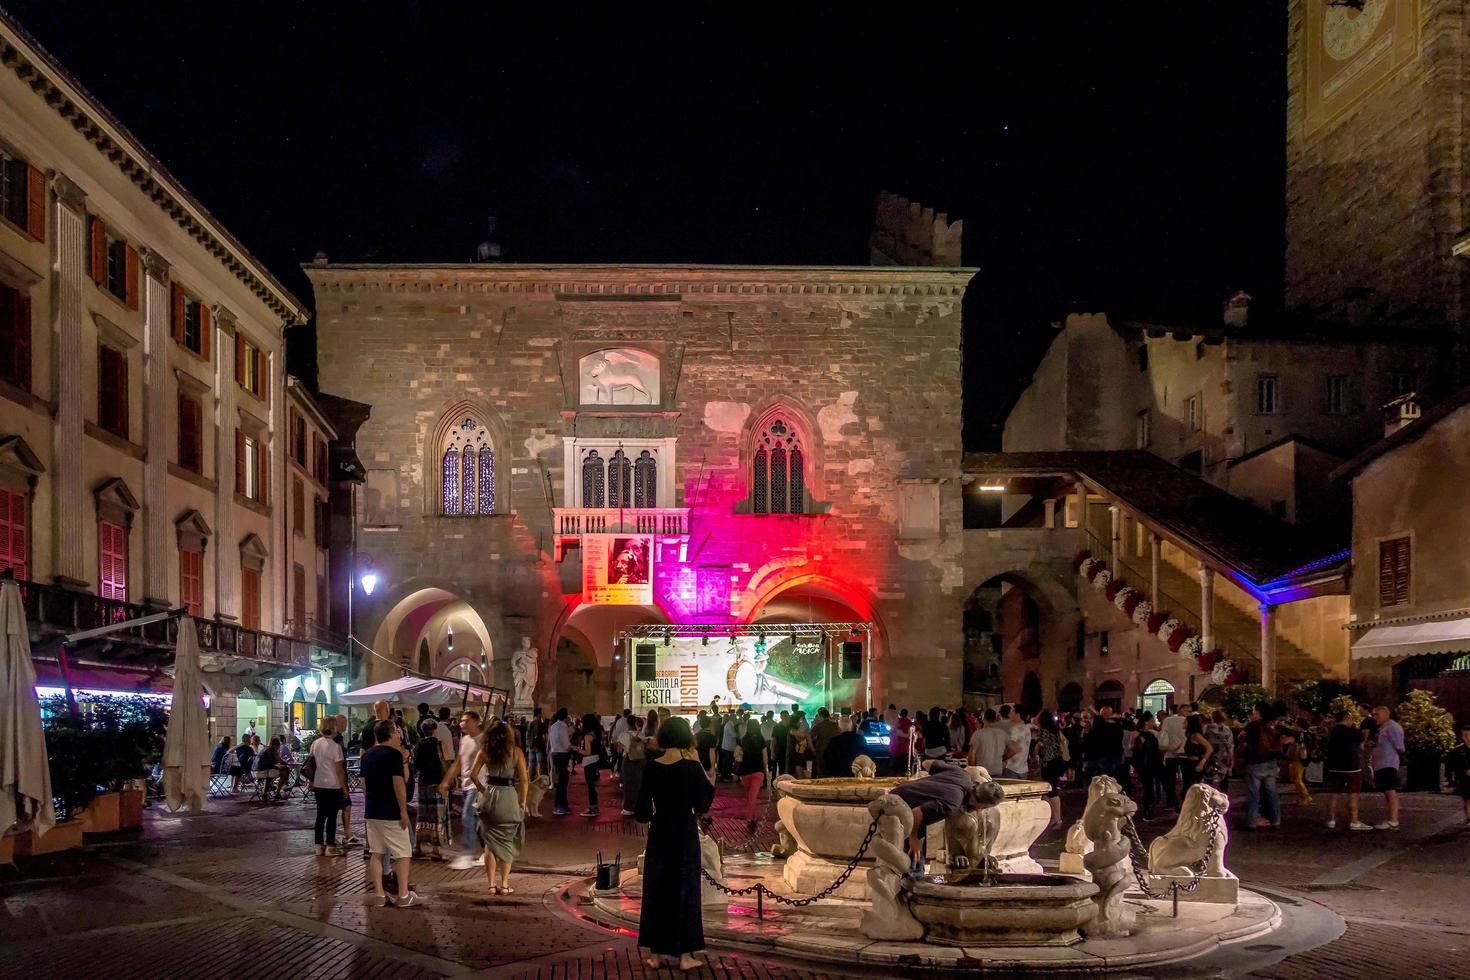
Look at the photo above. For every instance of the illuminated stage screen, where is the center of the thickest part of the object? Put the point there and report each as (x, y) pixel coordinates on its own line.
(687, 673)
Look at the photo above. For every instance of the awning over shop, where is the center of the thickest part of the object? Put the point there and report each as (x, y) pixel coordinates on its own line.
(1414, 639)
(87, 677)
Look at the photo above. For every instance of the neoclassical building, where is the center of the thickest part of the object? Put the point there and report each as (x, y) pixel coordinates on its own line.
(561, 452)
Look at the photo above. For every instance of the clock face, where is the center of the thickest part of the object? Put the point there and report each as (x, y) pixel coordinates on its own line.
(1345, 30)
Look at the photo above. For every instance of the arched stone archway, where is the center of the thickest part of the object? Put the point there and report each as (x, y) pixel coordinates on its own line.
(588, 657)
(1030, 699)
(425, 631)
(1033, 614)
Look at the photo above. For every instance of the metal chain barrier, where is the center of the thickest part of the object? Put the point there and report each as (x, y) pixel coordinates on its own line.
(1139, 859)
(760, 891)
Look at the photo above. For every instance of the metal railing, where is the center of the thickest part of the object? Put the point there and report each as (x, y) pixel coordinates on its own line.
(627, 520)
(53, 611)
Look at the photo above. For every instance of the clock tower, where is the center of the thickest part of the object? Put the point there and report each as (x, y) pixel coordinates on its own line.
(1376, 159)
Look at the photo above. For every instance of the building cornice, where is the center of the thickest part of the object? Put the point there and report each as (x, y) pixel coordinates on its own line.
(635, 283)
(33, 65)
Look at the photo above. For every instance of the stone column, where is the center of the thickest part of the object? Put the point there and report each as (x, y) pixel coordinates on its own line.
(1081, 491)
(226, 419)
(1116, 540)
(74, 519)
(158, 389)
(1153, 561)
(1268, 647)
(1049, 510)
(1207, 605)
(280, 502)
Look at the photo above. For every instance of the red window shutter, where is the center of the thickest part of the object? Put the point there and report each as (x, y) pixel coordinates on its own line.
(205, 329)
(176, 326)
(250, 598)
(239, 359)
(1401, 571)
(264, 379)
(262, 453)
(190, 580)
(20, 544)
(189, 448)
(239, 460)
(130, 276)
(99, 251)
(113, 552)
(21, 343)
(35, 204)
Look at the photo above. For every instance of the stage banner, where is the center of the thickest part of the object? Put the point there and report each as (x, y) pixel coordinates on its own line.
(617, 569)
(686, 673)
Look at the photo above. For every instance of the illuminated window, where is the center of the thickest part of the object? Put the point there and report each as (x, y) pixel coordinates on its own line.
(469, 470)
(778, 472)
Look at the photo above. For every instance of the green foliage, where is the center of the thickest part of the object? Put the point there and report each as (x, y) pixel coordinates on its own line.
(1348, 703)
(112, 741)
(1318, 696)
(75, 771)
(1428, 728)
(1241, 698)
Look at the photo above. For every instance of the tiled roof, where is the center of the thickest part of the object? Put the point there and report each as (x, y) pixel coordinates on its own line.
(1235, 533)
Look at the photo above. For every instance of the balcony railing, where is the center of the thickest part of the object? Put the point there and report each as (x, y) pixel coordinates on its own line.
(52, 610)
(629, 520)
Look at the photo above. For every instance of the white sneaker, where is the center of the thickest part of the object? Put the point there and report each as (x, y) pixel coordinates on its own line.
(1332, 825)
(479, 862)
(1359, 825)
(1387, 825)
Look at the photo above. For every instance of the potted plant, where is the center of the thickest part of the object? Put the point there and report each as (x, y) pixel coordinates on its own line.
(1241, 698)
(1429, 732)
(73, 786)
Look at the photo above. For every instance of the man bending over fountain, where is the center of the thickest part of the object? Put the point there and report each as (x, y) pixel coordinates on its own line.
(948, 790)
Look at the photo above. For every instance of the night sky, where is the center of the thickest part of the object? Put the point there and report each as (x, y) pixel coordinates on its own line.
(1103, 155)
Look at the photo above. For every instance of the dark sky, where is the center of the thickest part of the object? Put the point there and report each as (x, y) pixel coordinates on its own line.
(1103, 155)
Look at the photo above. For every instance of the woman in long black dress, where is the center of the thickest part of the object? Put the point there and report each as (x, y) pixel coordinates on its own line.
(674, 793)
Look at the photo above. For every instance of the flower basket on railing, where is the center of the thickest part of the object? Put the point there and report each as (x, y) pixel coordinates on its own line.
(1156, 621)
(1101, 579)
(1110, 591)
(1234, 677)
(1142, 612)
(1090, 568)
(1192, 647)
(1128, 600)
(1081, 558)
(1176, 639)
(1208, 660)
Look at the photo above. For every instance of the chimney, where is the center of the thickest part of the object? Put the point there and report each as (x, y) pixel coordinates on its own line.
(1403, 410)
(1237, 308)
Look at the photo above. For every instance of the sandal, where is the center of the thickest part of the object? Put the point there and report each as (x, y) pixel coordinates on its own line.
(506, 890)
(495, 889)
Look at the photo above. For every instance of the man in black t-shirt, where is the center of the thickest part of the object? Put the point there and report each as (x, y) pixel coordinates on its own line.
(385, 811)
(1344, 769)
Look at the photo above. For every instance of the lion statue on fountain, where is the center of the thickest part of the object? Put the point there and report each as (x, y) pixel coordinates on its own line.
(1188, 843)
(1109, 860)
(863, 767)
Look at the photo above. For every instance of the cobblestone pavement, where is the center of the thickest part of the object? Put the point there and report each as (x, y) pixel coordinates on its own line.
(238, 892)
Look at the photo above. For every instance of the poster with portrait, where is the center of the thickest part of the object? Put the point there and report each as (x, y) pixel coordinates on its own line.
(617, 569)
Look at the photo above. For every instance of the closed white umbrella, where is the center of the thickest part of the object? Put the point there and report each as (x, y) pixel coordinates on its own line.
(25, 773)
(186, 753)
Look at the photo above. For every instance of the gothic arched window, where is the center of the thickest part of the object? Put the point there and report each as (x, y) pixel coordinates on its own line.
(619, 480)
(593, 474)
(778, 477)
(645, 480)
(469, 469)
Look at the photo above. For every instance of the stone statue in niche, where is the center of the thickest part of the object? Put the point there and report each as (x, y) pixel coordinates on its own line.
(618, 376)
(525, 670)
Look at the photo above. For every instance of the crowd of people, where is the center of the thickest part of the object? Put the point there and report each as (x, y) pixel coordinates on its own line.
(668, 766)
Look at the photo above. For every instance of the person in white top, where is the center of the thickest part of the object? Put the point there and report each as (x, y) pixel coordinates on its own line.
(988, 744)
(327, 784)
(464, 760)
(559, 745)
(1018, 752)
(1172, 741)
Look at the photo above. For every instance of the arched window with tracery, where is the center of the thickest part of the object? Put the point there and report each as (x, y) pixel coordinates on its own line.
(593, 475)
(645, 480)
(778, 470)
(619, 480)
(468, 469)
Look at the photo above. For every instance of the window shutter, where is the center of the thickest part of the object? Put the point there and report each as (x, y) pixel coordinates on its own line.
(123, 422)
(262, 453)
(240, 359)
(104, 560)
(176, 327)
(20, 518)
(22, 340)
(1401, 571)
(99, 251)
(189, 449)
(239, 460)
(35, 204)
(130, 276)
(205, 330)
(107, 388)
(261, 376)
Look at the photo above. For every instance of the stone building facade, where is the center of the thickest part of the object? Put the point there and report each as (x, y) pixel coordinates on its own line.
(1375, 148)
(789, 438)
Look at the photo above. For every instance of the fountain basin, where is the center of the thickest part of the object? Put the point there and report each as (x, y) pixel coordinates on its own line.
(1013, 910)
(828, 819)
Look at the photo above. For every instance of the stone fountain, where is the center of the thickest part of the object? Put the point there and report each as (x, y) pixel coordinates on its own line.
(823, 823)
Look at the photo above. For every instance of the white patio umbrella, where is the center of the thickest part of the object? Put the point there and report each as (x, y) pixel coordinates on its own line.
(25, 773)
(186, 753)
(412, 690)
